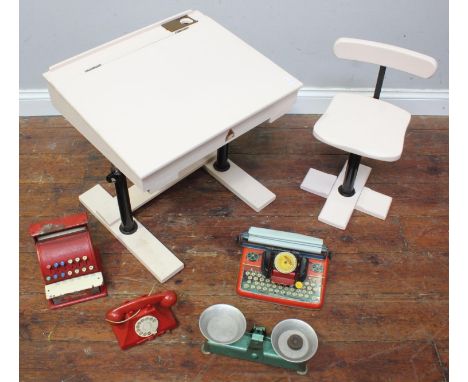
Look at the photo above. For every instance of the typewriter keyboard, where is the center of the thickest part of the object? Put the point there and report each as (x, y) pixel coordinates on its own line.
(254, 282)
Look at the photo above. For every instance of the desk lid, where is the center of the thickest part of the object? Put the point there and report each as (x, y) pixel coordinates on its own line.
(154, 95)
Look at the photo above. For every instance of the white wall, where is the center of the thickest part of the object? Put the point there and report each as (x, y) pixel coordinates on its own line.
(296, 34)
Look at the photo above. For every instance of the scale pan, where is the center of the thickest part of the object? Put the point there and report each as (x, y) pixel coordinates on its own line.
(294, 340)
(222, 323)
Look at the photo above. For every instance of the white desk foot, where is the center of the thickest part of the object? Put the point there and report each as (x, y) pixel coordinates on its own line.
(338, 209)
(236, 180)
(161, 262)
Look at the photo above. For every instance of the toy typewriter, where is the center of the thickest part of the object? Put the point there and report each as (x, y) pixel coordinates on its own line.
(283, 267)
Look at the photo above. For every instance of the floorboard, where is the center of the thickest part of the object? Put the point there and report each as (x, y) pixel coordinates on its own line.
(386, 312)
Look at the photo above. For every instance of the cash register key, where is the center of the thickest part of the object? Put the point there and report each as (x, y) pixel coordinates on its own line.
(85, 258)
(70, 261)
(91, 267)
(83, 269)
(69, 273)
(48, 266)
(48, 278)
(62, 274)
(55, 276)
(56, 265)
(77, 271)
(77, 259)
(62, 263)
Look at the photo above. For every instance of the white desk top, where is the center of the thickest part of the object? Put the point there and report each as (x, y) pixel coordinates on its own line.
(150, 97)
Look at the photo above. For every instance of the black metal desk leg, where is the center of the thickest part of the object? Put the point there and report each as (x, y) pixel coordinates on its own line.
(128, 225)
(222, 163)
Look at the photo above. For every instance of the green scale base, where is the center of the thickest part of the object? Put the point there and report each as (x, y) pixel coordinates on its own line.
(254, 346)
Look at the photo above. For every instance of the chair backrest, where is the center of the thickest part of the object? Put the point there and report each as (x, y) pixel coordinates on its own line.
(385, 55)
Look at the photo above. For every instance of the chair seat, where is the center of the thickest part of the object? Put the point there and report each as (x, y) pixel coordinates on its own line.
(364, 126)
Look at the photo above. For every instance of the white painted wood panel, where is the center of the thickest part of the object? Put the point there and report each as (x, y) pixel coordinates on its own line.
(241, 184)
(153, 254)
(338, 209)
(386, 55)
(158, 96)
(364, 126)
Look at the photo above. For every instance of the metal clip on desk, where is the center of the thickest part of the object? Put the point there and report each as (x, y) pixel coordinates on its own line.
(161, 102)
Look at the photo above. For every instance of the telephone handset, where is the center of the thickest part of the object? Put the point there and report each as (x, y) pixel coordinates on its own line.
(143, 319)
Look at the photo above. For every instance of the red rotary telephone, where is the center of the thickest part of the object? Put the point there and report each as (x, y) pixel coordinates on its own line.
(142, 319)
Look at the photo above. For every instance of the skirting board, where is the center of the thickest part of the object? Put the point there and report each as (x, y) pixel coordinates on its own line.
(36, 102)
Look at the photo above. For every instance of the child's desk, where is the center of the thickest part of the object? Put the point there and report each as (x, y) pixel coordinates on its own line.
(159, 103)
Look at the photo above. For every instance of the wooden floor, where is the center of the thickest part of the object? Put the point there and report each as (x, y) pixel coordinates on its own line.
(386, 311)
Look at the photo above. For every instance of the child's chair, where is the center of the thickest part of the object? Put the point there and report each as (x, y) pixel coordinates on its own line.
(363, 126)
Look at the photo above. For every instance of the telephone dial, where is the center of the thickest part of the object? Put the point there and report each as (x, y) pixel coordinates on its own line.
(143, 319)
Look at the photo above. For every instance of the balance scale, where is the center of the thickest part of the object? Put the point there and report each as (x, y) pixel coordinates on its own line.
(161, 102)
(291, 344)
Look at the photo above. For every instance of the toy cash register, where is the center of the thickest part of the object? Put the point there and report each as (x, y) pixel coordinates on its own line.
(283, 267)
(70, 266)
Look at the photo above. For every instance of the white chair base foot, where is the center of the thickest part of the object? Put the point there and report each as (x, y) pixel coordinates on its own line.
(338, 209)
(236, 180)
(374, 203)
(318, 182)
(161, 262)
